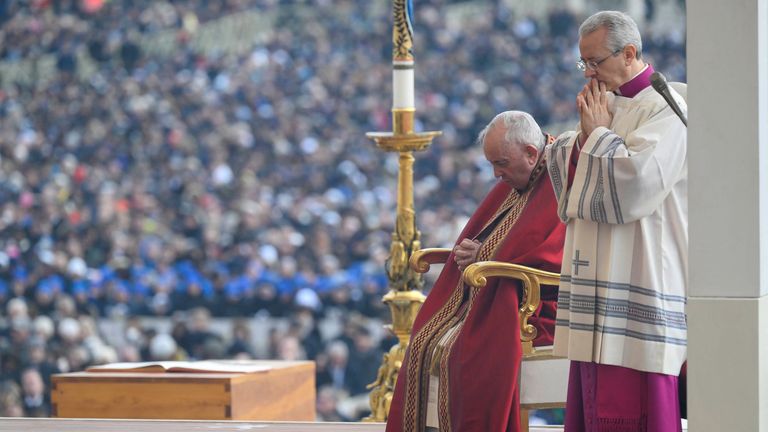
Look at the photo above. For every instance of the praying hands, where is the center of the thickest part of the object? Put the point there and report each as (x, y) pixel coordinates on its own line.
(592, 103)
(465, 253)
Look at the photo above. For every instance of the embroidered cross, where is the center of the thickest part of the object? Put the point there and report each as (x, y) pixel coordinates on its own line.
(577, 262)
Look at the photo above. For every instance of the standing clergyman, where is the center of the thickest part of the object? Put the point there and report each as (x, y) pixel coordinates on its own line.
(620, 181)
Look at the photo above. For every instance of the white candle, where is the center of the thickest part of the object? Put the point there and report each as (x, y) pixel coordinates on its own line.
(402, 84)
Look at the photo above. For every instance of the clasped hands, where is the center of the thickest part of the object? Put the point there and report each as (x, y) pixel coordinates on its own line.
(592, 103)
(465, 253)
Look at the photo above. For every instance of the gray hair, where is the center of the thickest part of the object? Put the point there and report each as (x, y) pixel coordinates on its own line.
(621, 30)
(520, 128)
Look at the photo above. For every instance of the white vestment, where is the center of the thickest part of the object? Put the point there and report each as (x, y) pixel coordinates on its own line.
(625, 261)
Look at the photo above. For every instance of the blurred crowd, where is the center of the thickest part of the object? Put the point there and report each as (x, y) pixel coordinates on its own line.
(192, 185)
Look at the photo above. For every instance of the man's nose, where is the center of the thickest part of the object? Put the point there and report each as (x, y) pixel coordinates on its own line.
(589, 73)
(496, 173)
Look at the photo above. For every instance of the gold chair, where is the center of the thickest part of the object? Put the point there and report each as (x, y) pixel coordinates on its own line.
(543, 376)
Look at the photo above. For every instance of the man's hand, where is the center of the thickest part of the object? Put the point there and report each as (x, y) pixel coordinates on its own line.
(592, 103)
(465, 253)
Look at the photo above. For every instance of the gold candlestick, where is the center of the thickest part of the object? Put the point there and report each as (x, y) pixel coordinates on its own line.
(404, 297)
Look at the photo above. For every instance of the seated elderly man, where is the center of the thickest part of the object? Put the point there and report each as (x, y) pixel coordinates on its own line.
(461, 369)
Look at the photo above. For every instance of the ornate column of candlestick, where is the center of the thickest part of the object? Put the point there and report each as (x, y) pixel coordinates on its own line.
(404, 297)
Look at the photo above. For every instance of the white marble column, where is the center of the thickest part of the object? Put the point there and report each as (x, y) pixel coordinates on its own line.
(728, 215)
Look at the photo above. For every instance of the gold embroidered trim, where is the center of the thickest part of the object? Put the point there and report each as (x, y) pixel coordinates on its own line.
(420, 353)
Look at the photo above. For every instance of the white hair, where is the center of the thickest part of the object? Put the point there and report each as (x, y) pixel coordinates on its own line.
(43, 326)
(621, 30)
(520, 128)
(17, 306)
(338, 349)
(162, 347)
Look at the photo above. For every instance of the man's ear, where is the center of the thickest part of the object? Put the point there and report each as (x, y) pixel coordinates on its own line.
(629, 53)
(531, 152)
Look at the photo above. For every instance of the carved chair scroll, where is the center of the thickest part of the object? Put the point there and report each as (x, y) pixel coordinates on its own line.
(477, 274)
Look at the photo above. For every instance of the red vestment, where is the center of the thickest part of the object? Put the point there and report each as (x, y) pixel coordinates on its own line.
(482, 366)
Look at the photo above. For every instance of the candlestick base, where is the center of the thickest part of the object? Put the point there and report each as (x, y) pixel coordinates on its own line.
(404, 306)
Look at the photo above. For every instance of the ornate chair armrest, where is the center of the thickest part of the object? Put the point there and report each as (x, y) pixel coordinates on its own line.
(476, 275)
(423, 258)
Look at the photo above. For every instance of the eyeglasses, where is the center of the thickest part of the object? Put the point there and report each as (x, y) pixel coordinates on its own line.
(593, 64)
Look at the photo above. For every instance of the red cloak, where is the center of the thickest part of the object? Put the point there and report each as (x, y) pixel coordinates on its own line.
(484, 362)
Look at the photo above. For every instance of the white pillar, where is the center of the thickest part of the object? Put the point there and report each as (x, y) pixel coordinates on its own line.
(728, 215)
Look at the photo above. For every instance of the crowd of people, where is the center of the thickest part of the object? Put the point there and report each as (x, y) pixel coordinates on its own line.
(241, 185)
